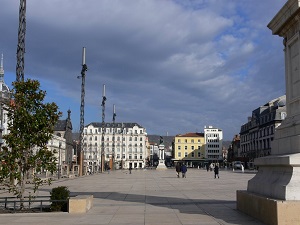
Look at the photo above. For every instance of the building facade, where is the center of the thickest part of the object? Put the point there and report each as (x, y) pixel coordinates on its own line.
(190, 149)
(213, 143)
(124, 145)
(5, 96)
(63, 128)
(258, 133)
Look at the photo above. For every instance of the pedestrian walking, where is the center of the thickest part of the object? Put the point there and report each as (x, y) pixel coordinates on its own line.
(178, 169)
(130, 168)
(183, 170)
(216, 170)
(207, 167)
(108, 169)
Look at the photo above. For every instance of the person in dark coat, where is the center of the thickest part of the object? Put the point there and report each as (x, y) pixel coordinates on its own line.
(130, 168)
(183, 170)
(178, 169)
(216, 170)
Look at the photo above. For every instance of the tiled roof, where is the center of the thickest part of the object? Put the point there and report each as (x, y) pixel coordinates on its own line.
(191, 135)
(60, 125)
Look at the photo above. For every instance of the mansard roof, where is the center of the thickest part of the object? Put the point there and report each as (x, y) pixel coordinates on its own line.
(61, 125)
(116, 125)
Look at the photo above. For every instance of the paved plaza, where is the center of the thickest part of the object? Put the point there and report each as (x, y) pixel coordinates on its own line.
(149, 197)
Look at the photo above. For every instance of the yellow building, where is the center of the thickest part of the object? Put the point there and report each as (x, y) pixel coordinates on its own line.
(190, 149)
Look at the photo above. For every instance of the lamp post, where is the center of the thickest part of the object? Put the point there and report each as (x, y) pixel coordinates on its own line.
(59, 160)
(114, 132)
(83, 70)
(103, 129)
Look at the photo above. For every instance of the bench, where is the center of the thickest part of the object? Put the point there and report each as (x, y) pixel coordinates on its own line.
(80, 203)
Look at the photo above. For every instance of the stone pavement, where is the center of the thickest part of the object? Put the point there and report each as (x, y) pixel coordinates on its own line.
(149, 197)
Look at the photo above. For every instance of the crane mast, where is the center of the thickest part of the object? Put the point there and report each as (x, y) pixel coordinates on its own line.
(21, 41)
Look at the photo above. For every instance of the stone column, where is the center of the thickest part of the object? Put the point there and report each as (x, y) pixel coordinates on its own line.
(279, 174)
(273, 195)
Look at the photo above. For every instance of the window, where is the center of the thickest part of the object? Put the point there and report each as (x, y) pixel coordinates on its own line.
(192, 140)
(199, 154)
(179, 154)
(185, 140)
(130, 156)
(193, 154)
(185, 147)
(192, 147)
(141, 139)
(179, 141)
(185, 154)
(179, 147)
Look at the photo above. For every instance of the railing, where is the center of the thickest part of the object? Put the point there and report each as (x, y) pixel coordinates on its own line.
(9, 205)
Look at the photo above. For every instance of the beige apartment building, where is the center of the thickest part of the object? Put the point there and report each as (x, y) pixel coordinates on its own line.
(189, 148)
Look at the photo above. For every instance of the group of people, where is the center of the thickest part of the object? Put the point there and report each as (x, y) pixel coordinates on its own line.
(213, 167)
(181, 168)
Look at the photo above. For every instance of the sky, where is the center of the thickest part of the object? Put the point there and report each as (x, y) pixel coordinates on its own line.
(172, 66)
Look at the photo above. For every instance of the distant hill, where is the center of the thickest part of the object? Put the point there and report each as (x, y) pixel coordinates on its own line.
(226, 144)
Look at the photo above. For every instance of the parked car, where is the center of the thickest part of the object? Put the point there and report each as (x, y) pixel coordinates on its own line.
(237, 165)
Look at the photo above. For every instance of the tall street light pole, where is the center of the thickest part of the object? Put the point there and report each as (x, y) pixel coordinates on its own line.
(83, 70)
(59, 160)
(114, 136)
(21, 41)
(103, 129)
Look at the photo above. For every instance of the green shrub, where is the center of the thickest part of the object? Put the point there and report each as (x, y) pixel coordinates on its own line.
(60, 193)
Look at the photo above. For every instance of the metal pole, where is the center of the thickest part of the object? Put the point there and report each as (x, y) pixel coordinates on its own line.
(103, 129)
(114, 136)
(21, 41)
(59, 160)
(83, 70)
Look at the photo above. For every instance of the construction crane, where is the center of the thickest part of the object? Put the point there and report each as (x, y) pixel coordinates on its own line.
(21, 41)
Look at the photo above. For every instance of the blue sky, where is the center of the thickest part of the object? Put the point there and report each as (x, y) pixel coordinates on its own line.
(171, 66)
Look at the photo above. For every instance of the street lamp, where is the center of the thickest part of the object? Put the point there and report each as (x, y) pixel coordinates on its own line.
(103, 129)
(59, 160)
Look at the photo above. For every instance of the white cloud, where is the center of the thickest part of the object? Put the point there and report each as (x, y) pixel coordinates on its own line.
(169, 65)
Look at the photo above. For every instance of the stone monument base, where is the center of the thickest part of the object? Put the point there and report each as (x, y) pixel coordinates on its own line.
(161, 165)
(269, 211)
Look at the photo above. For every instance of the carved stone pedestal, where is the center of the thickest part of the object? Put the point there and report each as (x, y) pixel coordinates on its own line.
(273, 195)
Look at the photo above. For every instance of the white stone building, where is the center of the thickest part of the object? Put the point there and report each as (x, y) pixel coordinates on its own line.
(124, 144)
(213, 143)
(258, 133)
(4, 100)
